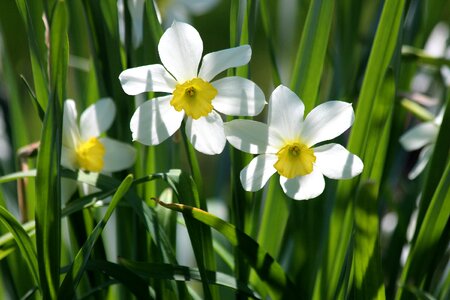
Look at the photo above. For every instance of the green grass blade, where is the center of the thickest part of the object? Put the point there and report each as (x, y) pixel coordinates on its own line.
(76, 270)
(341, 218)
(368, 275)
(436, 164)
(17, 175)
(133, 282)
(262, 262)
(427, 246)
(23, 241)
(308, 67)
(183, 273)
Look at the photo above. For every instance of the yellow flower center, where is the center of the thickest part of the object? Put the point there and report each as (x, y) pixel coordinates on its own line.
(295, 159)
(194, 97)
(90, 155)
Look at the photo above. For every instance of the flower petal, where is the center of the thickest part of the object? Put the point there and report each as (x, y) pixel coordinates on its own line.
(251, 136)
(237, 96)
(71, 133)
(180, 49)
(259, 170)
(68, 158)
(327, 121)
(151, 78)
(97, 118)
(68, 187)
(118, 156)
(285, 113)
(419, 136)
(304, 187)
(207, 134)
(154, 121)
(422, 162)
(336, 162)
(219, 61)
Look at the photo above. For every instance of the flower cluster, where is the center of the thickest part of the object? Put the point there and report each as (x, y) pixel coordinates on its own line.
(287, 144)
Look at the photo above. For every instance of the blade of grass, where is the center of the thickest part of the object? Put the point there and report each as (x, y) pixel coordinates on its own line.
(183, 273)
(263, 263)
(23, 241)
(77, 268)
(341, 217)
(308, 67)
(368, 276)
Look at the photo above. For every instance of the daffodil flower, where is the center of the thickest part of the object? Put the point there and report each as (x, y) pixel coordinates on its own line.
(192, 91)
(287, 145)
(84, 148)
(423, 135)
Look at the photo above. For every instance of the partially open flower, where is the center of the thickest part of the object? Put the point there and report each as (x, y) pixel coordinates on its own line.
(286, 145)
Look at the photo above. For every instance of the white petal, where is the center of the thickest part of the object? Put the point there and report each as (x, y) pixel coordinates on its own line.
(259, 170)
(285, 112)
(207, 134)
(97, 118)
(336, 162)
(304, 187)
(118, 155)
(419, 136)
(68, 187)
(251, 137)
(237, 96)
(154, 121)
(68, 157)
(71, 133)
(422, 162)
(180, 49)
(217, 62)
(151, 78)
(327, 121)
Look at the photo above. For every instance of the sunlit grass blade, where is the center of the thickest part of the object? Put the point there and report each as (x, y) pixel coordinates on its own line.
(23, 241)
(183, 273)
(340, 226)
(431, 240)
(367, 272)
(17, 175)
(200, 235)
(267, 268)
(76, 270)
(308, 67)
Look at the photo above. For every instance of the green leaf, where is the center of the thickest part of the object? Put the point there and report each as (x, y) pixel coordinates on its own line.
(183, 273)
(428, 246)
(133, 282)
(368, 275)
(310, 59)
(23, 241)
(77, 268)
(17, 175)
(340, 227)
(262, 262)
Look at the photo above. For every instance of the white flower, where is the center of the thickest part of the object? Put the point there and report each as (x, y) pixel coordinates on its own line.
(423, 135)
(286, 143)
(192, 91)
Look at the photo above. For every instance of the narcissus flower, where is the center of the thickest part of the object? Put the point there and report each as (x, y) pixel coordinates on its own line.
(423, 135)
(83, 148)
(192, 91)
(287, 145)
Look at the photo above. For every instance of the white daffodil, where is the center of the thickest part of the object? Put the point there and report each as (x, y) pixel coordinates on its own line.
(286, 143)
(192, 91)
(423, 135)
(84, 148)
